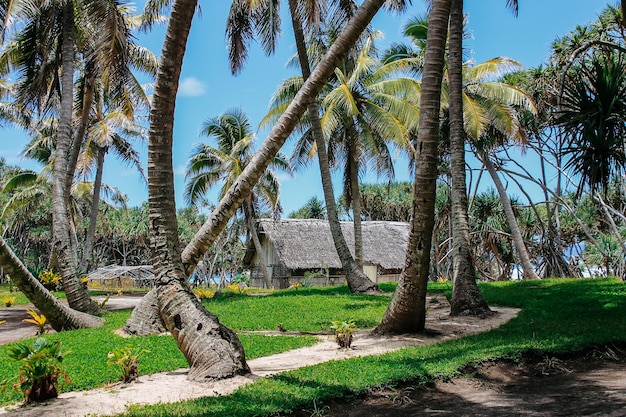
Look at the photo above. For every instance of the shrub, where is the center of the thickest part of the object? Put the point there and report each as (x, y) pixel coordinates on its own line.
(203, 293)
(126, 359)
(237, 289)
(38, 320)
(8, 300)
(39, 370)
(343, 333)
(49, 279)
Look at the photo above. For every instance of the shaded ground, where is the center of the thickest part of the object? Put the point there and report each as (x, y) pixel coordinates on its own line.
(587, 384)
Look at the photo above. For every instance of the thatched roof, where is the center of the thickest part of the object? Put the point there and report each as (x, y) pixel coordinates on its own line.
(110, 274)
(306, 244)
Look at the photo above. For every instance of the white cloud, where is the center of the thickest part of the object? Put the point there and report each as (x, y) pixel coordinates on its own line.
(191, 87)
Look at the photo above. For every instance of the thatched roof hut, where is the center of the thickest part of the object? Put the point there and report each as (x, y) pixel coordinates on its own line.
(118, 276)
(292, 246)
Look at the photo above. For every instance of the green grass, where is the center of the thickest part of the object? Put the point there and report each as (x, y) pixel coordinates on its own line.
(557, 316)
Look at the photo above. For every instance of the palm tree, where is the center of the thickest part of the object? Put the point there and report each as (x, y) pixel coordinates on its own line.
(466, 297)
(209, 166)
(407, 311)
(265, 19)
(178, 307)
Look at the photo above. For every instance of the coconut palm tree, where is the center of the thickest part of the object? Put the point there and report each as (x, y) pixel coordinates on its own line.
(209, 166)
(303, 13)
(407, 311)
(182, 314)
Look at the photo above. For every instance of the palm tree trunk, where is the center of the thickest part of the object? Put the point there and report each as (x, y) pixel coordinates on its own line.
(212, 350)
(245, 182)
(466, 297)
(93, 213)
(60, 316)
(267, 277)
(355, 197)
(516, 235)
(358, 282)
(407, 311)
(77, 296)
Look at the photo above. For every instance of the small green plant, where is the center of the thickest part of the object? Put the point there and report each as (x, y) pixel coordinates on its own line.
(40, 368)
(343, 332)
(295, 285)
(237, 289)
(126, 359)
(49, 279)
(318, 411)
(38, 320)
(105, 301)
(8, 300)
(203, 293)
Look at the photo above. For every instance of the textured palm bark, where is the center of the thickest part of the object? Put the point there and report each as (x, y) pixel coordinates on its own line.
(60, 316)
(357, 281)
(516, 234)
(212, 350)
(77, 296)
(466, 297)
(407, 311)
(355, 196)
(267, 277)
(242, 187)
(93, 212)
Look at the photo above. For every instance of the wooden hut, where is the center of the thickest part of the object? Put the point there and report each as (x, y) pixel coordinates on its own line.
(297, 250)
(118, 276)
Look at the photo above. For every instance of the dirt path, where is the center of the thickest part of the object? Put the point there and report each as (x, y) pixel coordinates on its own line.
(173, 386)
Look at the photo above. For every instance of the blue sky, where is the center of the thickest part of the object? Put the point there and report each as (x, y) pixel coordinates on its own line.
(208, 89)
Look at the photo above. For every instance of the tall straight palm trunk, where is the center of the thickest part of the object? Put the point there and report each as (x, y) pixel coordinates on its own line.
(516, 234)
(466, 297)
(407, 311)
(212, 350)
(254, 235)
(77, 296)
(60, 316)
(358, 282)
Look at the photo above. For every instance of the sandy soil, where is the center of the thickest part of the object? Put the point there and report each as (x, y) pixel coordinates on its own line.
(173, 386)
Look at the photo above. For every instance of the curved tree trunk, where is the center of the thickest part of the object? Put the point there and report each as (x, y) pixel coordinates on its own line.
(466, 297)
(518, 239)
(407, 311)
(358, 282)
(93, 213)
(212, 350)
(77, 296)
(242, 187)
(60, 316)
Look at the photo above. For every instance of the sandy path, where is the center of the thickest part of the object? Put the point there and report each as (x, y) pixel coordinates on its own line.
(173, 386)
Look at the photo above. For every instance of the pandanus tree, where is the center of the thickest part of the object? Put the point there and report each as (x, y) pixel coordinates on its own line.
(209, 166)
(212, 350)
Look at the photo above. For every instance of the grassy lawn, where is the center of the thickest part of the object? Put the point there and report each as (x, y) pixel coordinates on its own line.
(556, 316)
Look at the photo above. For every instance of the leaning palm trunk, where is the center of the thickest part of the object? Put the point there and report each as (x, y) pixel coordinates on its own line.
(77, 296)
(60, 316)
(358, 282)
(518, 240)
(242, 187)
(212, 350)
(466, 297)
(312, 86)
(407, 311)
